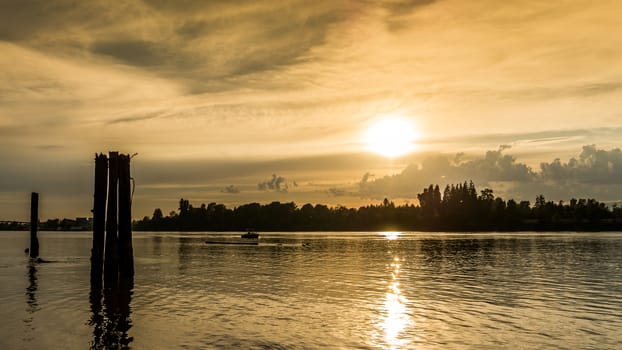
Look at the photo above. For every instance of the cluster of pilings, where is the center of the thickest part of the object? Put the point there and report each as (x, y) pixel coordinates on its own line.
(112, 220)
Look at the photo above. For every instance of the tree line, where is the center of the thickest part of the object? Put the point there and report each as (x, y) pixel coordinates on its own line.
(459, 207)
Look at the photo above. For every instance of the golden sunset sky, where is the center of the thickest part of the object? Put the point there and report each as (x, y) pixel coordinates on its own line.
(258, 101)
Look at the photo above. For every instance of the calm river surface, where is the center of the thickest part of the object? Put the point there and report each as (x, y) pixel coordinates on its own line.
(320, 291)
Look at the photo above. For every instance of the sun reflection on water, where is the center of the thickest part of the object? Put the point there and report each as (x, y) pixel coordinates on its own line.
(395, 315)
(391, 235)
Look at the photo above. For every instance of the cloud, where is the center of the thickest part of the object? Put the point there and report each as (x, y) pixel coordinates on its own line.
(560, 137)
(593, 167)
(340, 192)
(399, 10)
(194, 42)
(277, 184)
(21, 20)
(138, 118)
(49, 147)
(221, 92)
(134, 52)
(230, 189)
(496, 166)
(404, 6)
(596, 172)
(337, 192)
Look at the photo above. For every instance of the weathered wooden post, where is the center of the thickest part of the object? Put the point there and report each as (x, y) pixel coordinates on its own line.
(99, 218)
(126, 259)
(111, 262)
(34, 222)
(110, 328)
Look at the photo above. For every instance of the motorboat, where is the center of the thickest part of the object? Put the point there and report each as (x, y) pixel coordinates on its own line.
(250, 235)
(248, 238)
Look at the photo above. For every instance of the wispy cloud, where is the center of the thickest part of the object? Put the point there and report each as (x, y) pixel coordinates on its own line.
(138, 118)
(230, 189)
(50, 147)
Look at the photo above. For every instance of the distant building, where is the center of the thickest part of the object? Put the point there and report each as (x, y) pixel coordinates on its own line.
(79, 224)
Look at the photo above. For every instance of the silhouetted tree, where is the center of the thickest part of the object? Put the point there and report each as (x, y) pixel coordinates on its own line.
(458, 208)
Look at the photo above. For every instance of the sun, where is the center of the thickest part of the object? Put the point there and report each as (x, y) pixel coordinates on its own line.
(390, 137)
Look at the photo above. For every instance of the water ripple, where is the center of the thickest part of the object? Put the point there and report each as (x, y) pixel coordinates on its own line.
(342, 291)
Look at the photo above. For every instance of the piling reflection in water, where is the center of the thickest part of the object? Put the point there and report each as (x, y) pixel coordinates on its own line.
(31, 300)
(111, 323)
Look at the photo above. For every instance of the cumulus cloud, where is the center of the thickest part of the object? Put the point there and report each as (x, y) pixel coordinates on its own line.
(593, 166)
(494, 166)
(277, 184)
(594, 173)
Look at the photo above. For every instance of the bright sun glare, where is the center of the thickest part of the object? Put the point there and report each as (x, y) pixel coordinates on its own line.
(390, 137)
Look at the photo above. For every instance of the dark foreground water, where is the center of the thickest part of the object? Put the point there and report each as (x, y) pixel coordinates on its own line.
(320, 291)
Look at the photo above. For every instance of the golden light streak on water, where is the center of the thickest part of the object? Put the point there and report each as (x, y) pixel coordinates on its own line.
(395, 315)
(391, 235)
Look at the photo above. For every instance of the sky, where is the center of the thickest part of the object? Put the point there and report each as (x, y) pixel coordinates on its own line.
(258, 101)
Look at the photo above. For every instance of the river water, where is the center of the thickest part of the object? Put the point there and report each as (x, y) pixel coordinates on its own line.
(329, 290)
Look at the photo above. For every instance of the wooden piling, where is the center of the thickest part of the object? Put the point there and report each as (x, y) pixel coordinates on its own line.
(34, 223)
(126, 260)
(111, 262)
(99, 218)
